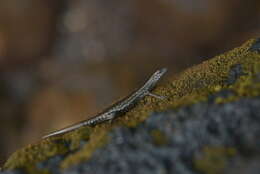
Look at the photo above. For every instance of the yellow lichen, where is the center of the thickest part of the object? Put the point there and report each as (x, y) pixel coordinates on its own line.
(159, 138)
(28, 156)
(214, 159)
(96, 140)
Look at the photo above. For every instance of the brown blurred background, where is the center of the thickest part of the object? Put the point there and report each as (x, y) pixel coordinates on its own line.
(62, 61)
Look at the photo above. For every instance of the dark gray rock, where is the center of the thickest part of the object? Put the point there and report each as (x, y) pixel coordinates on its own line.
(12, 172)
(52, 164)
(235, 72)
(256, 46)
(179, 139)
(185, 133)
(225, 93)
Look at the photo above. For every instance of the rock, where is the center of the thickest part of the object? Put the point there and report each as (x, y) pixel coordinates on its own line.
(256, 46)
(209, 123)
(181, 141)
(12, 172)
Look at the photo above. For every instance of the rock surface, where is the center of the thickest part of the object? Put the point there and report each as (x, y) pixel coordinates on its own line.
(210, 123)
(183, 141)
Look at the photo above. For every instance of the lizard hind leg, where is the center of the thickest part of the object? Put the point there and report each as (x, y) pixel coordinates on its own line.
(156, 96)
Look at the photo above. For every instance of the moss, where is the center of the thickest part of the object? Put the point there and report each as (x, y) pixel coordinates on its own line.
(76, 137)
(28, 156)
(214, 159)
(159, 138)
(98, 138)
(192, 86)
(33, 169)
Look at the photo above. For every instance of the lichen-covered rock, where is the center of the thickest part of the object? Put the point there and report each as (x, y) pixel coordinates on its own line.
(209, 123)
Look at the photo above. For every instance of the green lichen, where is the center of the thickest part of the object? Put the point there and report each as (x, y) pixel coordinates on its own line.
(192, 86)
(214, 159)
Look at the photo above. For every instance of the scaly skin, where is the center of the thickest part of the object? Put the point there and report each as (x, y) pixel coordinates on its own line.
(118, 108)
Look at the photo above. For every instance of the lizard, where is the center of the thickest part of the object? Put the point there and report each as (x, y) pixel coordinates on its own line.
(119, 108)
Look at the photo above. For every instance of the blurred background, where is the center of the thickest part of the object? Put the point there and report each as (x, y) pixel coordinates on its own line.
(62, 61)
